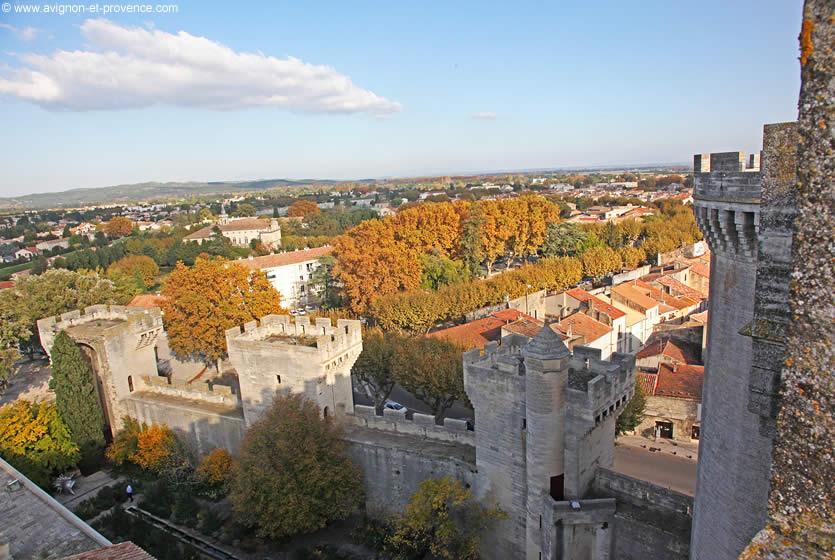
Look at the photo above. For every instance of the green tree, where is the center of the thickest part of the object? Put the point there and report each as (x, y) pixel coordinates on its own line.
(633, 413)
(564, 240)
(244, 210)
(323, 284)
(441, 521)
(373, 368)
(76, 397)
(293, 475)
(439, 270)
(432, 370)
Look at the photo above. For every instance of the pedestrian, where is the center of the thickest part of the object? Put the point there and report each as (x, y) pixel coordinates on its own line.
(129, 492)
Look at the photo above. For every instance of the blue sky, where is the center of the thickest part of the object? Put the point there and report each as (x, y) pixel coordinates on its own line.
(408, 88)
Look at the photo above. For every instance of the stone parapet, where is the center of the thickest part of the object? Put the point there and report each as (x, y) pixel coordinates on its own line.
(423, 425)
(200, 391)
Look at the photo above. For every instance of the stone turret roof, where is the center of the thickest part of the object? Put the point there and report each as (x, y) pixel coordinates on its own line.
(546, 345)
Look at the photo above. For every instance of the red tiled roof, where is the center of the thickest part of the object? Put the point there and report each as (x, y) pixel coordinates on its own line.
(646, 381)
(6, 284)
(122, 551)
(680, 381)
(594, 301)
(635, 295)
(583, 325)
(679, 287)
(476, 334)
(658, 295)
(700, 317)
(677, 350)
(700, 268)
(283, 259)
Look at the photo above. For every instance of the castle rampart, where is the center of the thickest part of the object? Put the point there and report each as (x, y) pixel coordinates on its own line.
(282, 354)
(421, 425)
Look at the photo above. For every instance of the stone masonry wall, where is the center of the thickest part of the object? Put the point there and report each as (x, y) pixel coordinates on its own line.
(422, 425)
(650, 521)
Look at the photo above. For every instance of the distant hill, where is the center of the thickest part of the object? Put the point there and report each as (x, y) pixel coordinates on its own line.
(121, 194)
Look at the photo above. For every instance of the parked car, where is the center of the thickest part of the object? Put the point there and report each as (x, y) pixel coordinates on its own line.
(393, 405)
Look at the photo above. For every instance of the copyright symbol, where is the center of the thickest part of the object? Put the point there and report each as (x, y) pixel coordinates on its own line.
(7, 7)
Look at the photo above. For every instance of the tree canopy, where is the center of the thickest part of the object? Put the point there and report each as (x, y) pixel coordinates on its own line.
(35, 440)
(633, 413)
(441, 521)
(373, 368)
(76, 396)
(293, 475)
(203, 301)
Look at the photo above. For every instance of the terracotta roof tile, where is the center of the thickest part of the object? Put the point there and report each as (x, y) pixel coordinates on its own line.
(122, 551)
(680, 288)
(583, 325)
(594, 301)
(635, 295)
(283, 259)
(476, 334)
(660, 345)
(680, 381)
(6, 284)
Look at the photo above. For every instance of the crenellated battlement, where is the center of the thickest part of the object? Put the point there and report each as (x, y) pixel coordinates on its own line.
(422, 425)
(200, 391)
(728, 187)
(299, 335)
(278, 353)
(597, 387)
(102, 321)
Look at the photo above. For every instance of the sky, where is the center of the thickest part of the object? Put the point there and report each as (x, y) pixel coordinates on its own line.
(363, 89)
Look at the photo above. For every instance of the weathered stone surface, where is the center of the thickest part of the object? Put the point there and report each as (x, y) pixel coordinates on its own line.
(801, 500)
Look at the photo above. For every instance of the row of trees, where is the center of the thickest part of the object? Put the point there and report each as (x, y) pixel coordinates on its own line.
(378, 258)
(435, 244)
(417, 311)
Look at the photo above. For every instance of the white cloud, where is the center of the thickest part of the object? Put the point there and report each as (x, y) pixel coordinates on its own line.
(133, 67)
(25, 33)
(485, 115)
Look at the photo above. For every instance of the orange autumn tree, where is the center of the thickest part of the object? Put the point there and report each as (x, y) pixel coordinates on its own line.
(119, 226)
(370, 263)
(302, 208)
(156, 447)
(429, 226)
(203, 301)
(216, 469)
(140, 267)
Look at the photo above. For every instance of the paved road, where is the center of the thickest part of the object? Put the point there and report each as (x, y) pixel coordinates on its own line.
(661, 469)
(404, 397)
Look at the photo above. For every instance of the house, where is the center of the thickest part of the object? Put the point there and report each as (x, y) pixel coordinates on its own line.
(290, 273)
(673, 401)
(44, 246)
(242, 231)
(662, 347)
(26, 253)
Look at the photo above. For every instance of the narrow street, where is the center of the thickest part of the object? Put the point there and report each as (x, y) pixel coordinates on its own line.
(663, 469)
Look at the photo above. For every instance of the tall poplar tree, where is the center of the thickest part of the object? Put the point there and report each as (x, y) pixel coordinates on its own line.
(76, 396)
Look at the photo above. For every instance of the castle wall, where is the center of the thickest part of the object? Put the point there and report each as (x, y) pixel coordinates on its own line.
(395, 464)
(650, 521)
(201, 426)
(422, 425)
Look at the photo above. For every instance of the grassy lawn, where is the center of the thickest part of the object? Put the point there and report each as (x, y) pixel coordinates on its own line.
(6, 272)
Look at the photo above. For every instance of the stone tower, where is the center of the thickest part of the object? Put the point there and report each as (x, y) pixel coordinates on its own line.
(297, 357)
(546, 373)
(750, 241)
(120, 343)
(545, 422)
